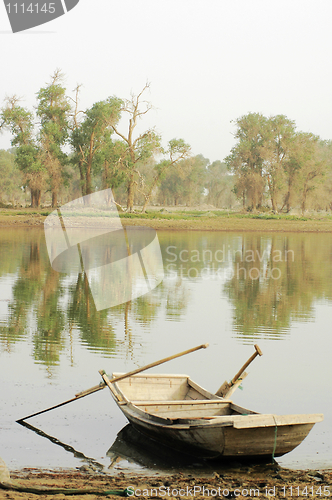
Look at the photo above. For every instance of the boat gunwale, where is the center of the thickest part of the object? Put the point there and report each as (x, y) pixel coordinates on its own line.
(151, 375)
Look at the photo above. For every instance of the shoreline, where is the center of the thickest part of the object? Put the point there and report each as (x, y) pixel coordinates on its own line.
(263, 481)
(194, 223)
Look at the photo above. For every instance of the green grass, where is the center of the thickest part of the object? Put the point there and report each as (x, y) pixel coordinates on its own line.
(192, 214)
(184, 215)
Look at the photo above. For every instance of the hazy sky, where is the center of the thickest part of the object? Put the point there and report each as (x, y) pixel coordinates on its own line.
(208, 62)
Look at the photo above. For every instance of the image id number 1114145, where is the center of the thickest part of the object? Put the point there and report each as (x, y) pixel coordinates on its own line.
(32, 8)
(305, 491)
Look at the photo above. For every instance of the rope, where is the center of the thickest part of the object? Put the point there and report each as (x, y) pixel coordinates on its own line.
(63, 491)
(275, 438)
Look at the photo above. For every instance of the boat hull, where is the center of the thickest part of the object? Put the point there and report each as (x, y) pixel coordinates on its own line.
(180, 414)
(218, 441)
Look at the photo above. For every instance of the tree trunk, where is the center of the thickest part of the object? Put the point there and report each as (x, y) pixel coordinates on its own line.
(88, 181)
(145, 204)
(272, 197)
(288, 195)
(54, 199)
(148, 196)
(82, 177)
(287, 201)
(304, 200)
(131, 193)
(38, 197)
(35, 198)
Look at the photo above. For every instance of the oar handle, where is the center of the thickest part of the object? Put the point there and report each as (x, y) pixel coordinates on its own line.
(250, 360)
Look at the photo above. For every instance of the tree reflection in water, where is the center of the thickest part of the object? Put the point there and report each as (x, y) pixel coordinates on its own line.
(269, 280)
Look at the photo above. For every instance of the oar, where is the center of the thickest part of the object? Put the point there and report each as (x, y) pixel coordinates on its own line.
(229, 387)
(77, 396)
(102, 385)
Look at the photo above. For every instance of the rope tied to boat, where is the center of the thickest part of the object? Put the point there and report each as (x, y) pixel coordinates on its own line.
(275, 437)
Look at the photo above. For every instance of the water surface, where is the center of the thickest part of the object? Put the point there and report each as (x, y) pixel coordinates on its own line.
(231, 290)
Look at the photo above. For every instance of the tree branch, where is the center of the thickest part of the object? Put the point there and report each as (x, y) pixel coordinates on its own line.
(119, 134)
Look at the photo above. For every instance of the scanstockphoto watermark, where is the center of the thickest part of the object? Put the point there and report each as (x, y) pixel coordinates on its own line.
(190, 491)
(226, 263)
(282, 491)
(24, 14)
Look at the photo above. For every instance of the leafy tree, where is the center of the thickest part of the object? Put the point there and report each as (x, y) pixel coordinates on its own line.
(220, 185)
(312, 166)
(11, 180)
(172, 188)
(184, 181)
(323, 194)
(19, 121)
(177, 151)
(53, 110)
(246, 158)
(276, 151)
(291, 169)
(90, 139)
(270, 156)
(195, 178)
(112, 175)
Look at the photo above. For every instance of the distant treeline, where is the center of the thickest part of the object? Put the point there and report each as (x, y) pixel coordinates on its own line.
(60, 153)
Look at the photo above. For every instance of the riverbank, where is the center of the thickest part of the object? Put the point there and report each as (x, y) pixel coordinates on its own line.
(193, 220)
(261, 481)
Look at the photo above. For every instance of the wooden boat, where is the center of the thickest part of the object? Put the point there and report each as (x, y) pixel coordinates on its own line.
(176, 411)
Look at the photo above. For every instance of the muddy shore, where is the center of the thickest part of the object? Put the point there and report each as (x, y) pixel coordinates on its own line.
(258, 481)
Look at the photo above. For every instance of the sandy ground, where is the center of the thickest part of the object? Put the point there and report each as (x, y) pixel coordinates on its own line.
(269, 481)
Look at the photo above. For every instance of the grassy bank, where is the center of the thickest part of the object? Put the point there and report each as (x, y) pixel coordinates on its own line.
(211, 220)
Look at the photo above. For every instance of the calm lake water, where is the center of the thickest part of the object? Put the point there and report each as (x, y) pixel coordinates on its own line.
(231, 290)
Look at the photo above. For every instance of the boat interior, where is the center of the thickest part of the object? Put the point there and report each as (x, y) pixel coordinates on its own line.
(150, 387)
(174, 396)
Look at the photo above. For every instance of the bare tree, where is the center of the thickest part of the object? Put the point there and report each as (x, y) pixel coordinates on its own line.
(140, 148)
